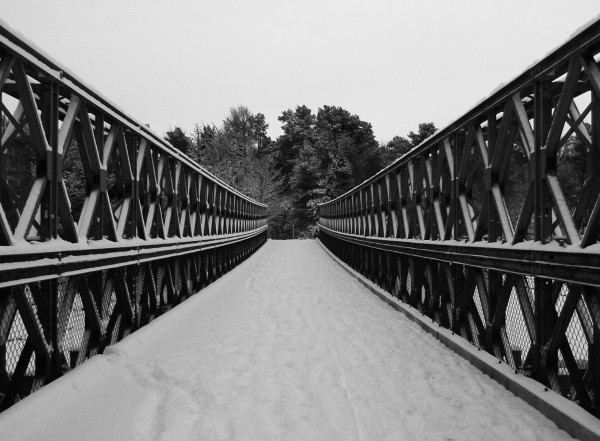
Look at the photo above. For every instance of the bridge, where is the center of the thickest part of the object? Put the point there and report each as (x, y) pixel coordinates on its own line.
(484, 237)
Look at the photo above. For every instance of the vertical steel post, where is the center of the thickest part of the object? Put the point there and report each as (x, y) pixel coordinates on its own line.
(459, 141)
(542, 224)
(594, 348)
(48, 304)
(454, 267)
(542, 202)
(3, 164)
(492, 215)
(49, 117)
(98, 232)
(132, 148)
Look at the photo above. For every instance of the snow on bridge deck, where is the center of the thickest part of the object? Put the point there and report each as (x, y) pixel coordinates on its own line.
(285, 347)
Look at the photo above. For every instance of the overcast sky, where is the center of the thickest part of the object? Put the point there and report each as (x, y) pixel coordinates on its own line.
(393, 63)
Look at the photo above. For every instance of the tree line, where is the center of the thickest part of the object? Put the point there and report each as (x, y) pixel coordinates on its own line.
(317, 158)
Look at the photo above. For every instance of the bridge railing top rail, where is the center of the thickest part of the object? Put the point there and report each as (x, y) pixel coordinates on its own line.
(554, 66)
(19, 45)
(75, 169)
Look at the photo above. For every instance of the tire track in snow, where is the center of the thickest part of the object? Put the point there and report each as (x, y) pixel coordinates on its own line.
(348, 396)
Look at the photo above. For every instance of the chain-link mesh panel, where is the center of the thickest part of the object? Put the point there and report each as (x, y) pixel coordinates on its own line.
(114, 334)
(73, 339)
(530, 285)
(17, 338)
(9, 351)
(409, 277)
(166, 293)
(516, 329)
(109, 302)
(577, 341)
(159, 271)
(176, 281)
(478, 306)
(572, 360)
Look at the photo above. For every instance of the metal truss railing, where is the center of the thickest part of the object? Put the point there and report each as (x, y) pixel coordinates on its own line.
(103, 225)
(491, 226)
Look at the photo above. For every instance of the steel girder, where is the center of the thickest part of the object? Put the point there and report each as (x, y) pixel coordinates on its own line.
(492, 226)
(103, 225)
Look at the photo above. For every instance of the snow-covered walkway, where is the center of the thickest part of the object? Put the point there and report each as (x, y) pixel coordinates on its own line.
(287, 346)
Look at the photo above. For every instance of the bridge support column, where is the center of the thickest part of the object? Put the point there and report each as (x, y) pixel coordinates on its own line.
(543, 305)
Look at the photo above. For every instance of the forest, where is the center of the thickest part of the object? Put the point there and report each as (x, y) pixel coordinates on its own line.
(318, 157)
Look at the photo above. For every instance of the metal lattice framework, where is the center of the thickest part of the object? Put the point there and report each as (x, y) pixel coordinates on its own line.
(491, 226)
(103, 225)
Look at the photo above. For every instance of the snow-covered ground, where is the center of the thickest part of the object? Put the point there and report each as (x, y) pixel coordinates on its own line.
(285, 347)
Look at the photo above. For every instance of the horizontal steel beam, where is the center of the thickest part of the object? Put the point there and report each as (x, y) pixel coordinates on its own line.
(33, 265)
(539, 261)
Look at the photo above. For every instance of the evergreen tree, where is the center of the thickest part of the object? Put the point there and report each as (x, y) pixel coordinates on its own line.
(399, 145)
(395, 148)
(320, 157)
(178, 139)
(238, 153)
(425, 131)
(347, 148)
(298, 126)
(246, 131)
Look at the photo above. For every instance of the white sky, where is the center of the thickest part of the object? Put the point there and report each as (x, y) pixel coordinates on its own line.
(394, 63)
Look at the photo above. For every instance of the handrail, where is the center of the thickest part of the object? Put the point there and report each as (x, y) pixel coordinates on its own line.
(35, 56)
(103, 225)
(491, 226)
(587, 38)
